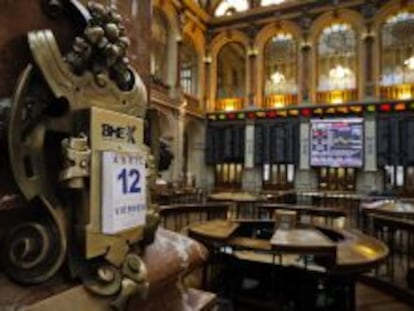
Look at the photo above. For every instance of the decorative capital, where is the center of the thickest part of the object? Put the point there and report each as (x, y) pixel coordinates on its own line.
(305, 46)
(207, 59)
(368, 37)
(253, 51)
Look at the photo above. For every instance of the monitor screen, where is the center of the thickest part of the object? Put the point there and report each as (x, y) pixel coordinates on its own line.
(337, 142)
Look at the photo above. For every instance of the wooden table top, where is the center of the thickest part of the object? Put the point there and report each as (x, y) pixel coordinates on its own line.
(215, 229)
(389, 207)
(317, 193)
(299, 207)
(329, 194)
(355, 252)
(235, 196)
(301, 240)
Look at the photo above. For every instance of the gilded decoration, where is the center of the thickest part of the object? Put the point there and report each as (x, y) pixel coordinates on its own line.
(57, 136)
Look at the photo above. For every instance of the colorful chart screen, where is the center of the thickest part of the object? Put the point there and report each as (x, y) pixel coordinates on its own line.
(337, 142)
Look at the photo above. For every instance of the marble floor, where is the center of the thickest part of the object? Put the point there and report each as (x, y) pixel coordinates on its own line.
(370, 299)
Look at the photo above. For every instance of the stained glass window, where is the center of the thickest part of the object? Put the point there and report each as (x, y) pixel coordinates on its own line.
(231, 71)
(280, 61)
(337, 61)
(397, 49)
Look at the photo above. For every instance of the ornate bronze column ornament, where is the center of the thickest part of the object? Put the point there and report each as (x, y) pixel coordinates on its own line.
(57, 135)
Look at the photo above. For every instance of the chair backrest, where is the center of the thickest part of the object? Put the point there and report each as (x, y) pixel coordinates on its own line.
(285, 219)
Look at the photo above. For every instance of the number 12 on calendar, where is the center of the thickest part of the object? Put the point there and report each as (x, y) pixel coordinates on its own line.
(123, 192)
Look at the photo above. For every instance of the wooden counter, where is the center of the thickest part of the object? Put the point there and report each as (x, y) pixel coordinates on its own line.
(302, 240)
(391, 208)
(353, 251)
(235, 197)
(215, 229)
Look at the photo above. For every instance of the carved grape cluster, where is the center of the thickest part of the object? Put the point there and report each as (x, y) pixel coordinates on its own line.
(102, 48)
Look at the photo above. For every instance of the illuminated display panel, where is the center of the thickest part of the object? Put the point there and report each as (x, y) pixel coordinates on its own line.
(337, 142)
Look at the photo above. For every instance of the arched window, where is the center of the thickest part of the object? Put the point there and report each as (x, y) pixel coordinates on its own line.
(228, 7)
(159, 47)
(397, 56)
(188, 67)
(280, 63)
(231, 77)
(337, 64)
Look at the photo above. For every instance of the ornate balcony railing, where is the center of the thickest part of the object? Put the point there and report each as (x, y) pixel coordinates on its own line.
(229, 104)
(193, 104)
(280, 100)
(399, 92)
(158, 84)
(337, 96)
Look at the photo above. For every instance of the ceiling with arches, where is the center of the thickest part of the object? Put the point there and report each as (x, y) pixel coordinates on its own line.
(219, 8)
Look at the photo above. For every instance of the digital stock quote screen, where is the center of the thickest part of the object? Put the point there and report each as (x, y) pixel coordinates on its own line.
(337, 142)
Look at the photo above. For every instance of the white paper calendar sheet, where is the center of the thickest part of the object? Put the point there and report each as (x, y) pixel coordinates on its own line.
(124, 200)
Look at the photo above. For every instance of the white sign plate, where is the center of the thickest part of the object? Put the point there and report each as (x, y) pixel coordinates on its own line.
(124, 201)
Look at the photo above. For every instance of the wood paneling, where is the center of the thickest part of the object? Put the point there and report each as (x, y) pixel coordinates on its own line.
(277, 142)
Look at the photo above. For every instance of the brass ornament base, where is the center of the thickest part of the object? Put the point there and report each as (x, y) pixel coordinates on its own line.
(168, 259)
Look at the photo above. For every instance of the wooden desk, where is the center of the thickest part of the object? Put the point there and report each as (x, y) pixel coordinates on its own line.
(389, 208)
(234, 197)
(306, 209)
(355, 252)
(212, 230)
(302, 241)
(243, 203)
(338, 256)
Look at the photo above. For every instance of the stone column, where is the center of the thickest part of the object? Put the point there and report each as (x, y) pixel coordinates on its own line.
(251, 175)
(369, 11)
(305, 176)
(178, 76)
(370, 178)
(252, 56)
(137, 18)
(206, 94)
(252, 53)
(369, 91)
(196, 160)
(305, 73)
(179, 143)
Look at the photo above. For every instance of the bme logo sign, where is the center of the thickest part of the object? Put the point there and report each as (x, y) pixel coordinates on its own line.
(110, 131)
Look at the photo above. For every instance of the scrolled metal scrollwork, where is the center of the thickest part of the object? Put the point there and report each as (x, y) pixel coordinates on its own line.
(30, 250)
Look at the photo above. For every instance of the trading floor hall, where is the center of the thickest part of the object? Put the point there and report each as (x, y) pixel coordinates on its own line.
(222, 155)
